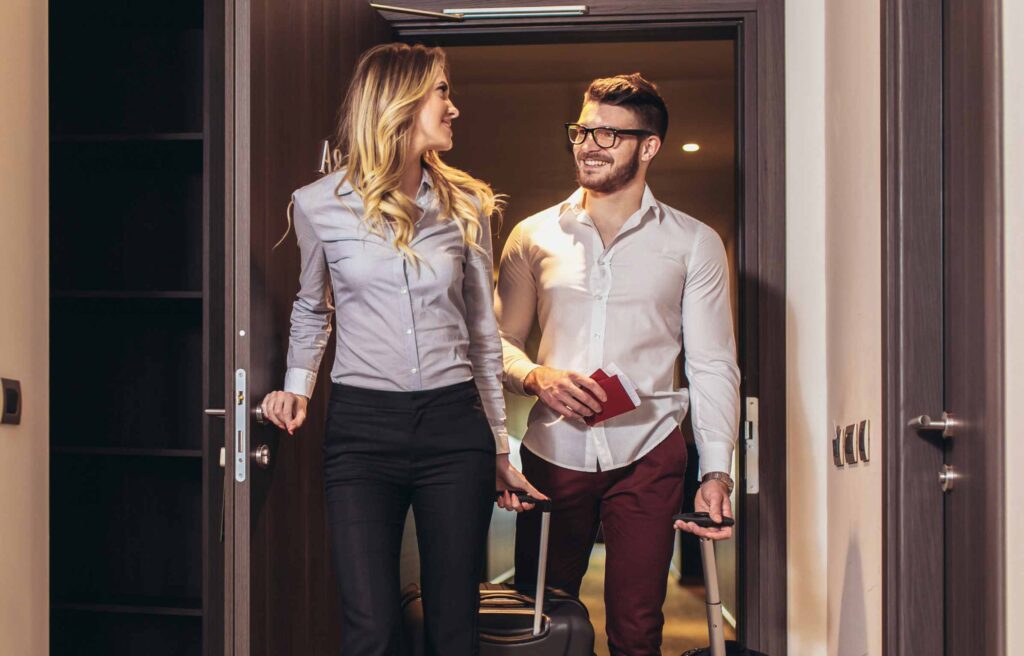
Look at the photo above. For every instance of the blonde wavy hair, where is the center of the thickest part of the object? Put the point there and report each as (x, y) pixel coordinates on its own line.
(374, 139)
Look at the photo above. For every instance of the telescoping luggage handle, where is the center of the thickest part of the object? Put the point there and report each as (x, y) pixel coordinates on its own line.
(716, 632)
(544, 505)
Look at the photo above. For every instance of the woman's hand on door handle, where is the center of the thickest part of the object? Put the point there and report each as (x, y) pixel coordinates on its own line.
(285, 410)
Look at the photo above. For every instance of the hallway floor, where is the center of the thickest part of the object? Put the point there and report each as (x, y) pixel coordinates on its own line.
(685, 618)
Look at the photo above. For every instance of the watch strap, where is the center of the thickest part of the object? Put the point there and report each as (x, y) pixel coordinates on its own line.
(719, 476)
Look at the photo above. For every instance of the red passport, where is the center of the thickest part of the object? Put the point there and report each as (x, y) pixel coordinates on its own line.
(621, 392)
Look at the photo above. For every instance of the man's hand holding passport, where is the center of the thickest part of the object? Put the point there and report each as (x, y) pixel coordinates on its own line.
(622, 394)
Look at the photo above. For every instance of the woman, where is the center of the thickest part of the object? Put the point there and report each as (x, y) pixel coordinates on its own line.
(416, 417)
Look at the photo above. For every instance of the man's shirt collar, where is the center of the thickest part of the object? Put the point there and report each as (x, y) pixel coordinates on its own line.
(574, 205)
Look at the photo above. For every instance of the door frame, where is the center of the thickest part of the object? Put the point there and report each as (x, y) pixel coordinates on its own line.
(757, 26)
(917, 74)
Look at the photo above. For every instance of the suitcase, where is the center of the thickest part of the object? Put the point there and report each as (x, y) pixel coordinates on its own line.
(511, 621)
(716, 634)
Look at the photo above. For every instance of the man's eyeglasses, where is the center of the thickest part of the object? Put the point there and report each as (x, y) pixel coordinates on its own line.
(604, 137)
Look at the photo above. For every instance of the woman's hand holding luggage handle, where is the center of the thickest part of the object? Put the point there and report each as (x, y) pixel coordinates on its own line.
(507, 480)
(285, 410)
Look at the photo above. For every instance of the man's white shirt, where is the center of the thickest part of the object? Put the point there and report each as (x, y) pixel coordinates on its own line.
(661, 283)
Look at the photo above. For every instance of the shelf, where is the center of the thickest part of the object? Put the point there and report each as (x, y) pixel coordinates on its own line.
(126, 451)
(126, 532)
(141, 136)
(126, 216)
(112, 294)
(128, 473)
(112, 16)
(135, 81)
(136, 606)
(79, 629)
(129, 373)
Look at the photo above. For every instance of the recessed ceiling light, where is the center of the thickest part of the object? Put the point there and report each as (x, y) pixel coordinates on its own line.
(691, 147)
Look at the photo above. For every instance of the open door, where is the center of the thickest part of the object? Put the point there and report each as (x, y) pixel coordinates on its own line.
(287, 65)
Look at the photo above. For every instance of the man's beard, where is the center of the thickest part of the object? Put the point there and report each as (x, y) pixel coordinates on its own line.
(616, 179)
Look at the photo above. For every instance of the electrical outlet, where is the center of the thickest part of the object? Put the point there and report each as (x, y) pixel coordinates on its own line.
(850, 443)
(864, 440)
(10, 401)
(837, 447)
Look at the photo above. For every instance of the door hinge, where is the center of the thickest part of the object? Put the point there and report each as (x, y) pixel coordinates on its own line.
(751, 439)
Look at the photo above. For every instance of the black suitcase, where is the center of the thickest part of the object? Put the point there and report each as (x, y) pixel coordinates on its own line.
(716, 634)
(513, 621)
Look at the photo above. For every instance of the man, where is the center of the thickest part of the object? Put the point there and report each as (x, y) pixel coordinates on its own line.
(614, 276)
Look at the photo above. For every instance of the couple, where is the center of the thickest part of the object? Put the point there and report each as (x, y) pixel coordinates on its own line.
(400, 243)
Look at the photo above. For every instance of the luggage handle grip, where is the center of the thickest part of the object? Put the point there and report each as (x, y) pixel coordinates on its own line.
(703, 520)
(543, 505)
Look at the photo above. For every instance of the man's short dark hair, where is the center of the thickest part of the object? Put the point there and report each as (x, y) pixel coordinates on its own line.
(633, 92)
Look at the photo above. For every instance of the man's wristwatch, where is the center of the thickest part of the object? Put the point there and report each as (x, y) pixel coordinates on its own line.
(719, 476)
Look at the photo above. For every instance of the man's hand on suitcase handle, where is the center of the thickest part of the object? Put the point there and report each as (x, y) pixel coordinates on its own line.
(713, 499)
(703, 520)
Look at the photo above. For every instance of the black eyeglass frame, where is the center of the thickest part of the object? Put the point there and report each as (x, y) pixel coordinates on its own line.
(589, 132)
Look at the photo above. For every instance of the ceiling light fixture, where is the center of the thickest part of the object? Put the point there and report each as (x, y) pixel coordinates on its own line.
(691, 147)
(519, 12)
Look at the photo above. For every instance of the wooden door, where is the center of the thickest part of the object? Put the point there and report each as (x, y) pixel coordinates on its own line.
(288, 65)
(943, 536)
(972, 349)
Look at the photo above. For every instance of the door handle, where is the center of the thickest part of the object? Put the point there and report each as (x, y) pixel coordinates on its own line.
(947, 424)
(257, 414)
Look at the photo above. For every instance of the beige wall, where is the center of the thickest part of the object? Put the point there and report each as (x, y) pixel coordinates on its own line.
(806, 397)
(1013, 173)
(24, 352)
(854, 263)
(834, 322)
(849, 179)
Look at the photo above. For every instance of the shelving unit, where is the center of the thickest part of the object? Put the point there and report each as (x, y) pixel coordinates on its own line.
(133, 472)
